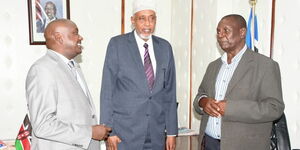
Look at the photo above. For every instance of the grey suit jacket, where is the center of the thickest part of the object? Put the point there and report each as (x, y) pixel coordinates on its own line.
(254, 101)
(61, 114)
(127, 104)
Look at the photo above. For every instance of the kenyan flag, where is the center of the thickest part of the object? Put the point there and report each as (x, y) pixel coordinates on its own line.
(23, 139)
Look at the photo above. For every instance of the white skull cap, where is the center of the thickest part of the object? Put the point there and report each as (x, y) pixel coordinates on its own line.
(139, 5)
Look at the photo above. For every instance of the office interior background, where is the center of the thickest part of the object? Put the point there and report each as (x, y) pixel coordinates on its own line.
(190, 27)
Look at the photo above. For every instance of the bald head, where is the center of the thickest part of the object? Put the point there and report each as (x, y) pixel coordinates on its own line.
(54, 27)
(62, 36)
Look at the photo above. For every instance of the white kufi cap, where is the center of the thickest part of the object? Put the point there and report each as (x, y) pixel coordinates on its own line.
(139, 5)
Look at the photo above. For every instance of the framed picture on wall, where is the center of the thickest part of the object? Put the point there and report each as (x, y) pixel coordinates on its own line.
(41, 13)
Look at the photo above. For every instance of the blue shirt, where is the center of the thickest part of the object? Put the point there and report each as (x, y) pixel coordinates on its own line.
(213, 127)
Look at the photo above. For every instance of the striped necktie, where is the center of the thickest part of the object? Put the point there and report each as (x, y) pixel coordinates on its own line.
(148, 67)
(73, 68)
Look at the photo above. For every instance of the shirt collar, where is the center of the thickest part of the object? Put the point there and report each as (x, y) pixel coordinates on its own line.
(140, 41)
(236, 58)
(62, 57)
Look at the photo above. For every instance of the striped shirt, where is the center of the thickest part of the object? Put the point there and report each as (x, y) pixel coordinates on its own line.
(213, 127)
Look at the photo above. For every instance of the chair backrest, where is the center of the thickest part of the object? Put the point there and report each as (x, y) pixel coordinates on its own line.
(280, 139)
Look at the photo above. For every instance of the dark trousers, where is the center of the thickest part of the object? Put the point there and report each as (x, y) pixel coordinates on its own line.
(209, 143)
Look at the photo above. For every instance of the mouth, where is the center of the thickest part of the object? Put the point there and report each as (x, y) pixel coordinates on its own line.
(147, 31)
(80, 46)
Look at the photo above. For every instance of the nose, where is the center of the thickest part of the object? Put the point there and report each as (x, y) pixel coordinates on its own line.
(220, 34)
(80, 38)
(147, 22)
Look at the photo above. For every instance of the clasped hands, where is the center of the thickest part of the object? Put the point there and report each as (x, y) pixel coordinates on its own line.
(213, 107)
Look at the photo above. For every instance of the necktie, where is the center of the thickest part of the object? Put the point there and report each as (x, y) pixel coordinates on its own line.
(148, 67)
(77, 76)
(73, 68)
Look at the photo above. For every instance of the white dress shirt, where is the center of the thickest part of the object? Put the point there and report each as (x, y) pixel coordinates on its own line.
(140, 42)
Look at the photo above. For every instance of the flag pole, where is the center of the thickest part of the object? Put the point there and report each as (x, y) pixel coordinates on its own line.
(253, 4)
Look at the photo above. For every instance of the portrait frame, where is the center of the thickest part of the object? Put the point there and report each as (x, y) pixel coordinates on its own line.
(42, 12)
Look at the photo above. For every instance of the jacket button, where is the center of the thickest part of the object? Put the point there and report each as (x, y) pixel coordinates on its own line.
(93, 116)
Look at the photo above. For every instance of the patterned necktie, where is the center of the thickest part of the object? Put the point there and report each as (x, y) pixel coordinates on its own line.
(73, 68)
(148, 67)
(78, 77)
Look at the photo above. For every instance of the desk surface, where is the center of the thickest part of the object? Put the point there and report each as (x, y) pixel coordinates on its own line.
(185, 142)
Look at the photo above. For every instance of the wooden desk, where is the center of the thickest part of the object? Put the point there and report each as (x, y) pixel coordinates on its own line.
(187, 142)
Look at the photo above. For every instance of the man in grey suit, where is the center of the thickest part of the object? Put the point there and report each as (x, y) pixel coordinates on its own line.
(138, 93)
(60, 106)
(240, 94)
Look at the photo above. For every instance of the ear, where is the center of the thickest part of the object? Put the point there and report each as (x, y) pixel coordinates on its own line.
(58, 37)
(132, 20)
(243, 33)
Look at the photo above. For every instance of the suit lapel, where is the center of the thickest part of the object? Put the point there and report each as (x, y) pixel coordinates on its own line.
(214, 74)
(61, 64)
(134, 50)
(85, 86)
(160, 68)
(70, 75)
(242, 68)
(136, 56)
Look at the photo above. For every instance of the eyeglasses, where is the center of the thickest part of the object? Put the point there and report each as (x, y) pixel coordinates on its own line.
(143, 19)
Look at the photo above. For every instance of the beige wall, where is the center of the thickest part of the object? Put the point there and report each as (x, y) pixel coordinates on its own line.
(100, 20)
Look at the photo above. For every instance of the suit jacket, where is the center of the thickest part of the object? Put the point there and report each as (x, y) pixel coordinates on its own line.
(61, 114)
(127, 104)
(254, 101)
(40, 26)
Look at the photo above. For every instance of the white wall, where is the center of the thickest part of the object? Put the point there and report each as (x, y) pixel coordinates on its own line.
(286, 53)
(17, 55)
(98, 20)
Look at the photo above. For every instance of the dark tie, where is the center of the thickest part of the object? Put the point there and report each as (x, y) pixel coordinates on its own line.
(148, 67)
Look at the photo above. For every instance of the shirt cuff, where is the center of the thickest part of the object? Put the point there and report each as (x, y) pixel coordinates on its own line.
(201, 97)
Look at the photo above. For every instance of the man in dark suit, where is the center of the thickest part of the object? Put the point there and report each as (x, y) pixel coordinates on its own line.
(240, 94)
(50, 11)
(138, 94)
(60, 106)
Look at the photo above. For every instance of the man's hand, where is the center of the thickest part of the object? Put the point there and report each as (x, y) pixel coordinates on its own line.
(210, 106)
(222, 106)
(112, 142)
(100, 132)
(171, 143)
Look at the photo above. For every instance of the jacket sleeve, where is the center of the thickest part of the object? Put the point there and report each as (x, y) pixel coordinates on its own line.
(109, 78)
(202, 91)
(171, 117)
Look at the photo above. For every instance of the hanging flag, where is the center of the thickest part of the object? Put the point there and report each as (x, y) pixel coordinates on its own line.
(39, 9)
(23, 140)
(252, 35)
